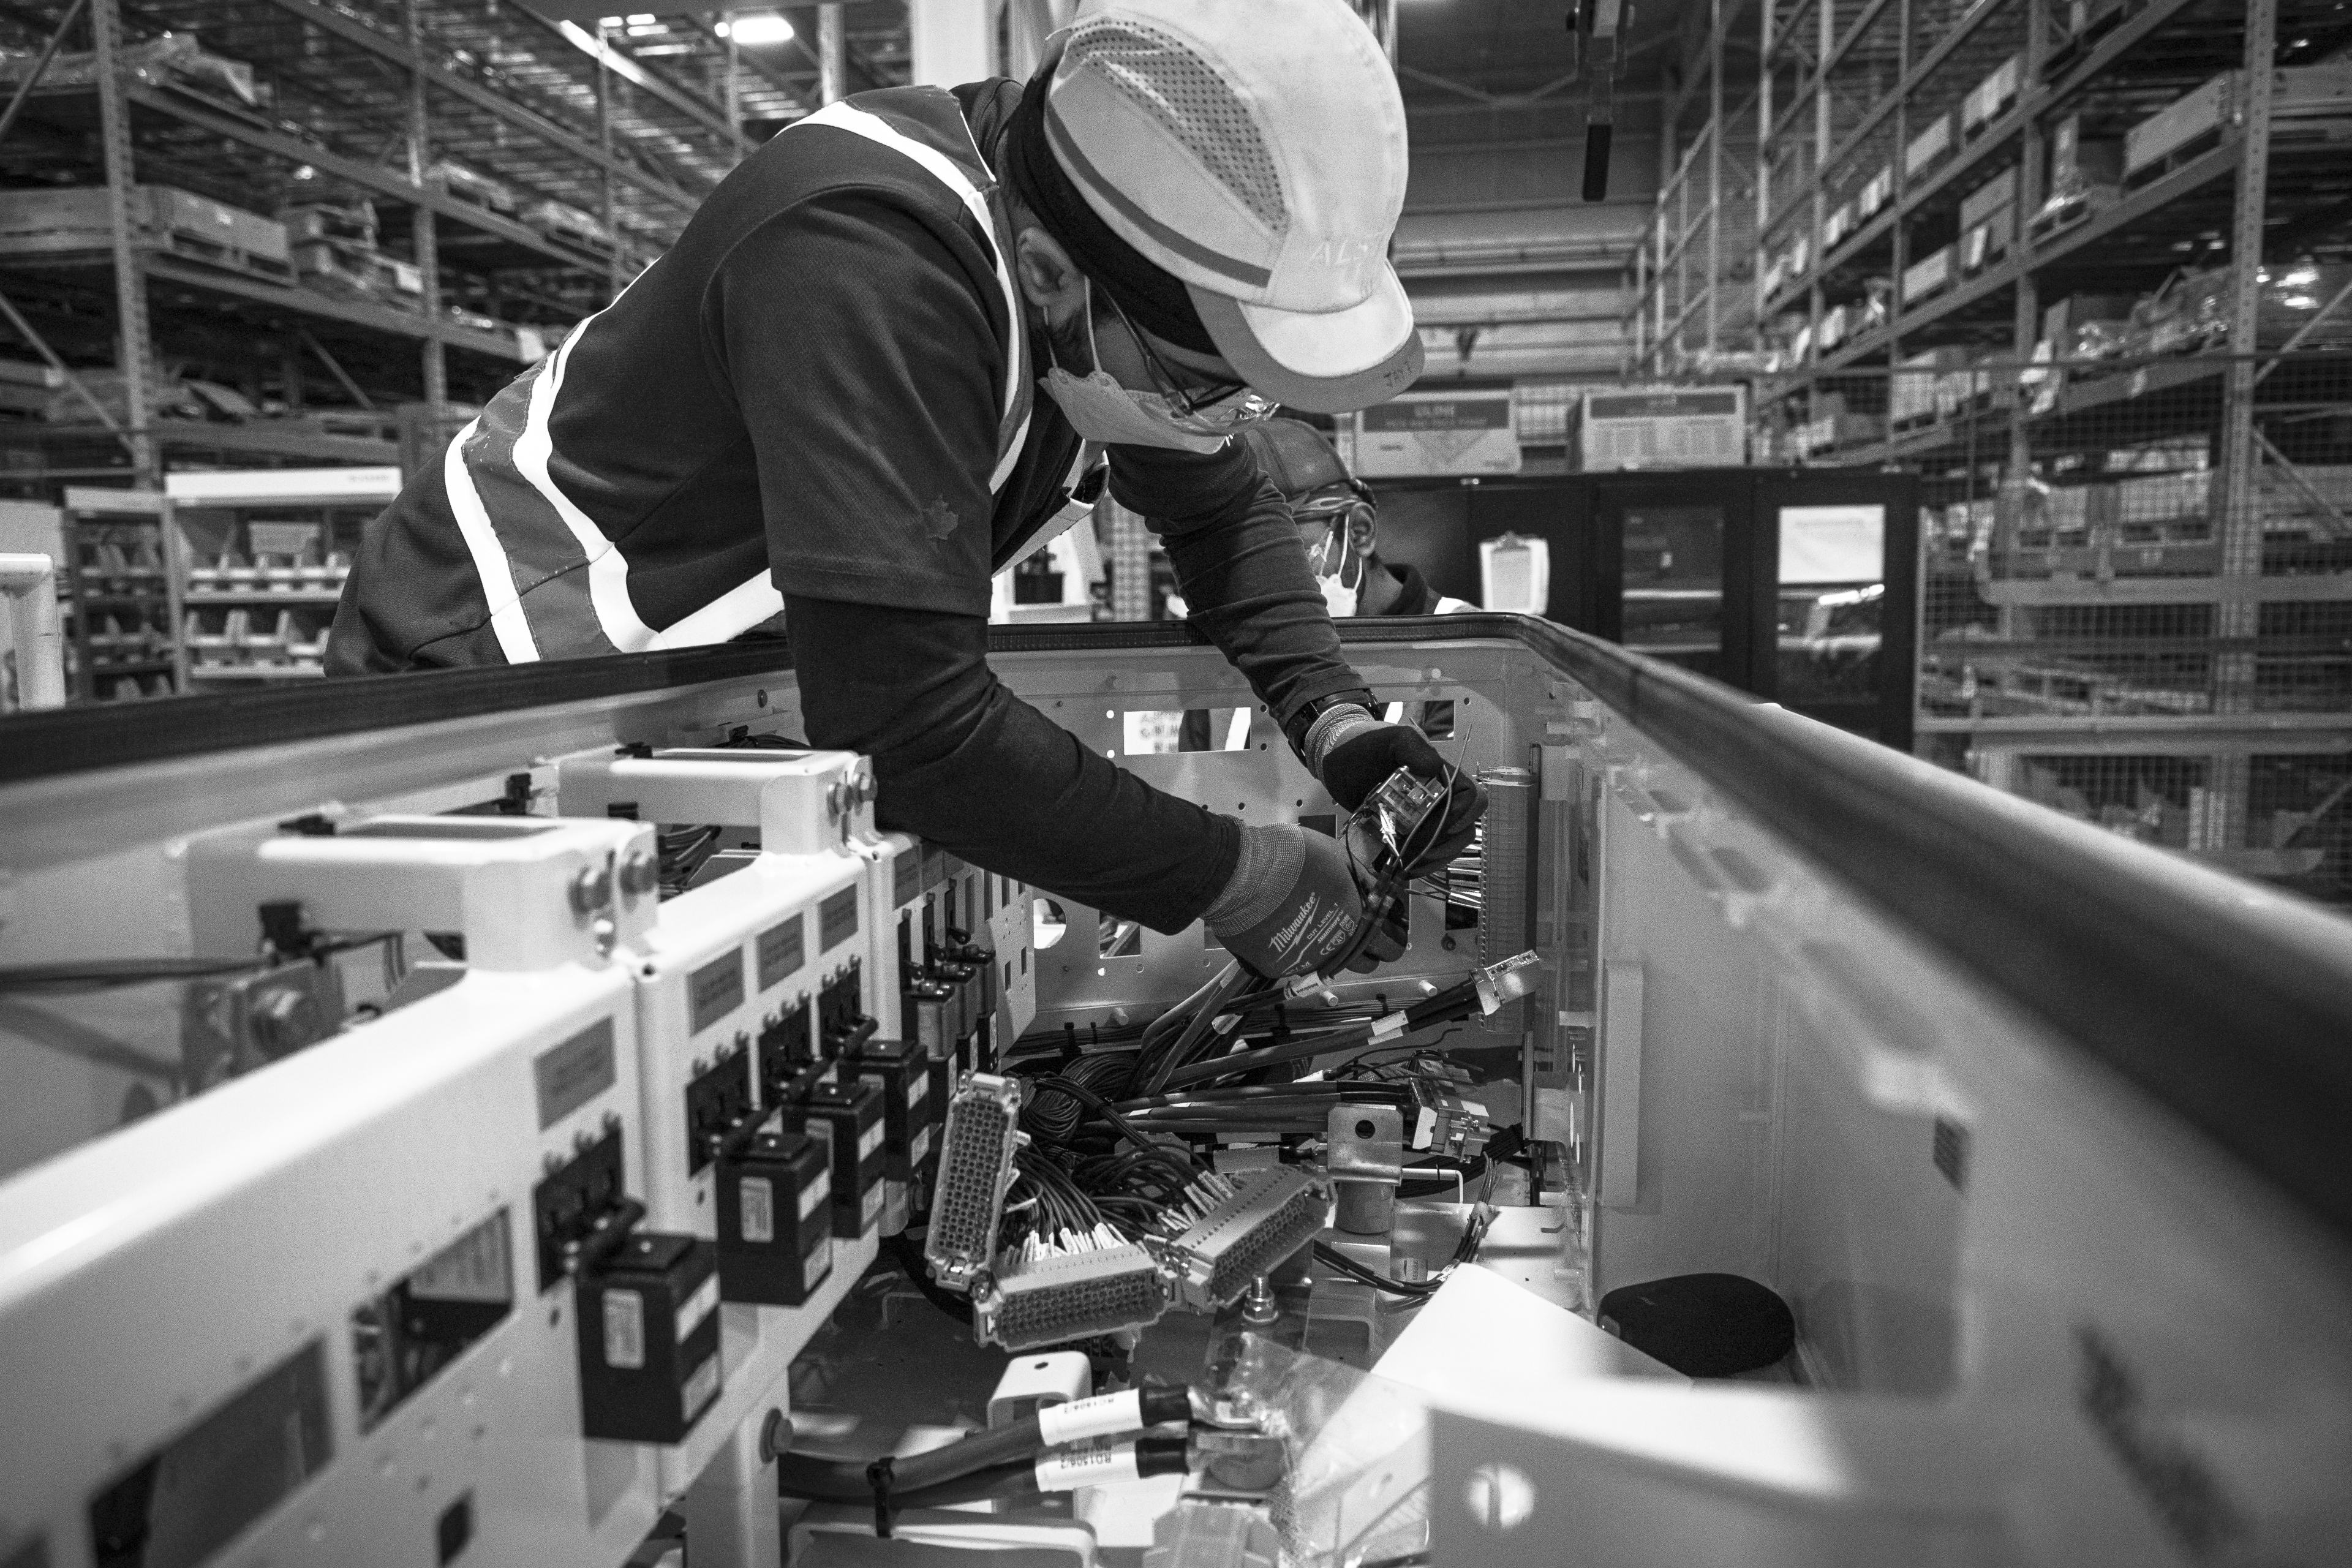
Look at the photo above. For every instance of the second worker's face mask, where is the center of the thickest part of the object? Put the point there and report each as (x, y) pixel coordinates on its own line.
(1101, 409)
(1338, 565)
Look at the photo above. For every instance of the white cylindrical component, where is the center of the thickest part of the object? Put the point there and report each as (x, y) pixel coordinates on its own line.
(1104, 1415)
(29, 583)
(1507, 914)
(1105, 1465)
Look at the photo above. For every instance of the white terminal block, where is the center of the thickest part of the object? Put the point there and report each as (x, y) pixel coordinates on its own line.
(202, 1306)
(802, 804)
(1044, 1378)
(729, 980)
(525, 893)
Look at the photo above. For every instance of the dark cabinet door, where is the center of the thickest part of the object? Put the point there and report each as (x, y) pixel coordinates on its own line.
(1676, 553)
(1841, 552)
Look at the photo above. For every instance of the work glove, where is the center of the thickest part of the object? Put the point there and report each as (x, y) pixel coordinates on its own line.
(1352, 753)
(1292, 905)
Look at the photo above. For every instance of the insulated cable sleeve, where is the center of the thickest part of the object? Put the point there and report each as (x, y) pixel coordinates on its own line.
(848, 1480)
(914, 1475)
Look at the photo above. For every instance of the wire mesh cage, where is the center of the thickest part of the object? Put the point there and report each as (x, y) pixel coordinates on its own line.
(2093, 568)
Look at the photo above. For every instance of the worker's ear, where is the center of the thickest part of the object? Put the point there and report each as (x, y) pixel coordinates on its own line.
(1363, 528)
(1049, 279)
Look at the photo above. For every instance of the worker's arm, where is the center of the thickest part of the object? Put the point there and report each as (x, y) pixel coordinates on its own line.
(1240, 568)
(968, 765)
(857, 337)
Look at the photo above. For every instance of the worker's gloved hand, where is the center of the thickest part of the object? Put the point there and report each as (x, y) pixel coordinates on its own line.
(1352, 753)
(1292, 906)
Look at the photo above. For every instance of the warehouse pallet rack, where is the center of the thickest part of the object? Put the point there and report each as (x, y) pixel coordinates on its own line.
(476, 179)
(2138, 585)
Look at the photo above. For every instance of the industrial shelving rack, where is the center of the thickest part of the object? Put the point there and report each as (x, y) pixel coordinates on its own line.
(624, 129)
(525, 169)
(2136, 597)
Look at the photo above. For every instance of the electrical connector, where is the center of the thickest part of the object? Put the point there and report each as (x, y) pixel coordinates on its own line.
(1251, 1221)
(1053, 1299)
(1498, 983)
(976, 1150)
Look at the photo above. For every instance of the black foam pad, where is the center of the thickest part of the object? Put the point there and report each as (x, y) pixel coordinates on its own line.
(1702, 1325)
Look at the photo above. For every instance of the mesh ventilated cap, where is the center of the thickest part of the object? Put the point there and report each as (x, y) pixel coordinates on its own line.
(1254, 149)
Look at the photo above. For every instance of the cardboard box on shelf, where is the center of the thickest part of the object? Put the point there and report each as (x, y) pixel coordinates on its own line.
(1839, 224)
(1996, 93)
(1987, 241)
(1927, 146)
(1911, 390)
(1876, 192)
(1996, 195)
(2194, 116)
(1928, 274)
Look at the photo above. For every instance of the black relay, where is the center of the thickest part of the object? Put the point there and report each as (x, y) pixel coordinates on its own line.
(850, 1115)
(648, 1313)
(775, 1218)
(903, 1073)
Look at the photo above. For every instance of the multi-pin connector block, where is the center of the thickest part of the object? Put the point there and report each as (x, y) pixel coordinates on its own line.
(1053, 1299)
(1258, 1218)
(976, 1150)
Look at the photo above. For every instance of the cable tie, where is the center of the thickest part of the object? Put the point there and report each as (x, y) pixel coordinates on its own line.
(878, 1475)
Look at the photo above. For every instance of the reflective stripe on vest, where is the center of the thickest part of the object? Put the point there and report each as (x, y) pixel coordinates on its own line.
(550, 576)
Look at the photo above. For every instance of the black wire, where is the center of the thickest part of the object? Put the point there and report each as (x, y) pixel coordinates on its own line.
(105, 973)
(1340, 1260)
(1103, 1108)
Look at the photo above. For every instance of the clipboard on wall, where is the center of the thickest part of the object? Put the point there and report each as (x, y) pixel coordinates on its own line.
(1515, 575)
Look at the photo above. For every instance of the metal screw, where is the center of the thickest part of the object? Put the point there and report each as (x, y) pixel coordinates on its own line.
(592, 887)
(640, 874)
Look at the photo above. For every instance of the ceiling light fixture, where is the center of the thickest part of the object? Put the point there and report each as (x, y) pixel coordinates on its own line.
(758, 28)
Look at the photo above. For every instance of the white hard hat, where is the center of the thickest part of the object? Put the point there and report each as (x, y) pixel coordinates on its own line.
(1255, 149)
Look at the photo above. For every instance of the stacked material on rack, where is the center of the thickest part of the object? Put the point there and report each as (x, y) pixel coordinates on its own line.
(470, 184)
(561, 220)
(74, 221)
(168, 60)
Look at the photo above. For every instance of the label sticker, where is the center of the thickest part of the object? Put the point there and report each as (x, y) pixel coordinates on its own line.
(702, 1387)
(871, 1209)
(818, 1261)
(471, 1269)
(814, 1195)
(918, 1145)
(757, 1198)
(780, 952)
(573, 1073)
(624, 1330)
(906, 877)
(868, 1140)
(919, 1088)
(837, 920)
(699, 1306)
(715, 991)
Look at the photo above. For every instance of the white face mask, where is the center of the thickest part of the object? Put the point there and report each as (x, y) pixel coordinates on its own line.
(1339, 594)
(1100, 410)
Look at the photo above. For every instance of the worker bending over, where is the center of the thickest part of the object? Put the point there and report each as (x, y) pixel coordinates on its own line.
(824, 402)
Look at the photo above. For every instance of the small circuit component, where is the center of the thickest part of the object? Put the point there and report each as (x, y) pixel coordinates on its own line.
(976, 1151)
(1248, 1222)
(1092, 1284)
